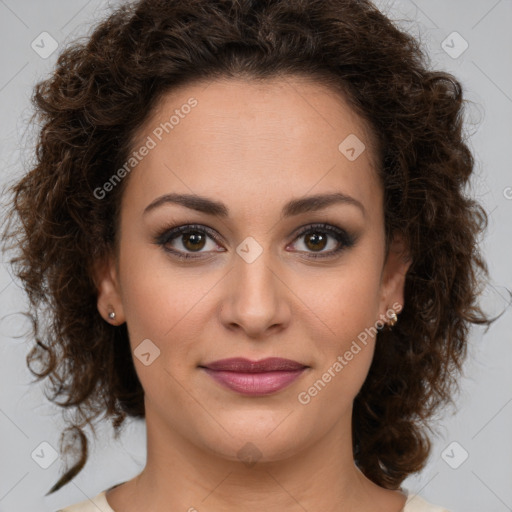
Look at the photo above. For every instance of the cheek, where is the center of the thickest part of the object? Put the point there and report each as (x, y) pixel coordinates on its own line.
(346, 301)
(149, 303)
(164, 303)
(347, 306)
(346, 352)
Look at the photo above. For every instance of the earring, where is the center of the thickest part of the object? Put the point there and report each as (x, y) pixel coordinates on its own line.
(393, 320)
(112, 314)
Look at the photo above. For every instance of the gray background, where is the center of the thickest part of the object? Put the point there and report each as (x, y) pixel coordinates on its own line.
(482, 423)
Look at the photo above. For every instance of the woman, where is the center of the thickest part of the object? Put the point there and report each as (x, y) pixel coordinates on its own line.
(249, 222)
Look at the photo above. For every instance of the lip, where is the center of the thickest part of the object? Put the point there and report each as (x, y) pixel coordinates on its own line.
(242, 365)
(254, 377)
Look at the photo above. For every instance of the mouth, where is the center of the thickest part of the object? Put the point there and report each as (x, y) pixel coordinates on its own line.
(254, 378)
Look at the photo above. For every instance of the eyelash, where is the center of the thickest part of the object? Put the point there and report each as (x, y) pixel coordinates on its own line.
(172, 232)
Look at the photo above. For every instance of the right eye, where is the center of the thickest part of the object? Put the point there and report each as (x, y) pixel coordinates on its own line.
(191, 237)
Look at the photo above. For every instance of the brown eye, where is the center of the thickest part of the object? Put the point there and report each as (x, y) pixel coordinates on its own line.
(194, 241)
(316, 241)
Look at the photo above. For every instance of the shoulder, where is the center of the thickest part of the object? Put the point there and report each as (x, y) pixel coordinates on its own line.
(99, 502)
(416, 503)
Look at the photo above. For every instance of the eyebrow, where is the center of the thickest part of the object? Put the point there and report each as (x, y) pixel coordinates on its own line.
(218, 209)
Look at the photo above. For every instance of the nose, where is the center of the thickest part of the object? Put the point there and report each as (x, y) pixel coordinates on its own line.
(256, 297)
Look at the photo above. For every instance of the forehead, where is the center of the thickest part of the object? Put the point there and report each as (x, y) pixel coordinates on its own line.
(285, 136)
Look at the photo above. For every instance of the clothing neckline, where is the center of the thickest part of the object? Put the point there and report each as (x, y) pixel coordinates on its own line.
(101, 499)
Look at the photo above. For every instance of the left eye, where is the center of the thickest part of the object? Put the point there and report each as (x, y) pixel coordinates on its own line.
(317, 240)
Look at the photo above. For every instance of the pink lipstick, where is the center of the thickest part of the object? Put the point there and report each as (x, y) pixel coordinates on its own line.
(254, 377)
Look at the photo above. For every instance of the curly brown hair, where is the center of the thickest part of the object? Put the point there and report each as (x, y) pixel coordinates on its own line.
(103, 90)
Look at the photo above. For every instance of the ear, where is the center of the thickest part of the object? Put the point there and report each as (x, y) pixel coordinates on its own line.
(395, 268)
(105, 276)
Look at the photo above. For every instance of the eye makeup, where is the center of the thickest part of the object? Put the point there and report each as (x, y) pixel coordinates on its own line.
(199, 234)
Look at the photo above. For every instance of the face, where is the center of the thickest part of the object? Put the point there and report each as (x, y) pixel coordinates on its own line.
(258, 274)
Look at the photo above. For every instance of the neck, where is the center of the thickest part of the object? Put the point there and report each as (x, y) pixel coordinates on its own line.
(180, 475)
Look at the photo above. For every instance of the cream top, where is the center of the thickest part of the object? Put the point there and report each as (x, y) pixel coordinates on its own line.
(414, 503)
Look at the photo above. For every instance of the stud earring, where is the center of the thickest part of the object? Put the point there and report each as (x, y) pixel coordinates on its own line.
(393, 319)
(112, 314)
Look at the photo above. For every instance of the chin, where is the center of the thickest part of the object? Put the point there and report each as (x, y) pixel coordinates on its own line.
(254, 439)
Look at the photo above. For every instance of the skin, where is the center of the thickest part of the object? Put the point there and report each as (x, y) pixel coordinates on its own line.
(253, 146)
